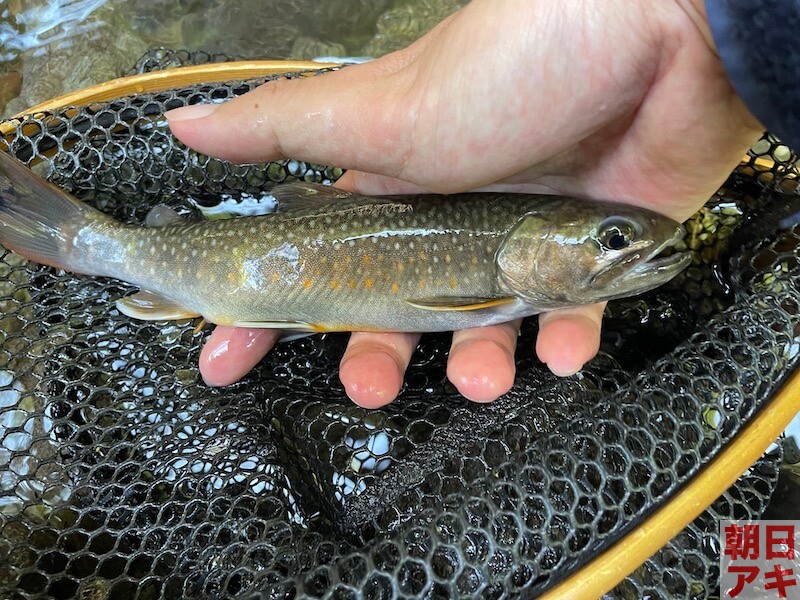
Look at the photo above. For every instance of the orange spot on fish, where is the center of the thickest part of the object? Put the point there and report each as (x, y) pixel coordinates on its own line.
(366, 259)
(334, 285)
(308, 284)
(423, 257)
(352, 284)
(474, 260)
(400, 267)
(395, 288)
(368, 283)
(421, 284)
(276, 276)
(453, 283)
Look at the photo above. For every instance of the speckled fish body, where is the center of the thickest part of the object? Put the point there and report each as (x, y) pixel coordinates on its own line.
(330, 261)
(344, 267)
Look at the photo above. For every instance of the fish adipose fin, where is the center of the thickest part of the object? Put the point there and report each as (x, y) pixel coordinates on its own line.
(148, 306)
(161, 215)
(37, 219)
(458, 302)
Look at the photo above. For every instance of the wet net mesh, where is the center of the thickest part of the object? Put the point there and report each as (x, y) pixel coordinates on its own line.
(123, 476)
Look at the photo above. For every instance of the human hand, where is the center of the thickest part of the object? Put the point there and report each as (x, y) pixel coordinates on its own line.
(613, 99)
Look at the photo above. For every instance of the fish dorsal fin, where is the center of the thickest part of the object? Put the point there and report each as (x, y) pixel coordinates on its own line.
(303, 195)
(161, 215)
(459, 302)
(314, 199)
(152, 307)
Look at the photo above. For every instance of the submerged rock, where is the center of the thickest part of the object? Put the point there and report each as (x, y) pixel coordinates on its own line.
(72, 64)
(407, 21)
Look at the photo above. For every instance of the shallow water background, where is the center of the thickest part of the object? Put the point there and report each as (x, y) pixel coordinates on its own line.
(50, 47)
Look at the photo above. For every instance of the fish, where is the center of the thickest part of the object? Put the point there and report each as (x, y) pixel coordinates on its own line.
(331, 260)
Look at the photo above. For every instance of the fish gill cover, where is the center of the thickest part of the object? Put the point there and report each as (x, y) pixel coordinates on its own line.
(123, 476)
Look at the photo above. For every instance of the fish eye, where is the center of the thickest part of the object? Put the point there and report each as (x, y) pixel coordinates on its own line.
(616, 233)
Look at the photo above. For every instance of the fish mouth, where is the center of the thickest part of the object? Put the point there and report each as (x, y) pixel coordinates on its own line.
(662, 268)
(631, 267)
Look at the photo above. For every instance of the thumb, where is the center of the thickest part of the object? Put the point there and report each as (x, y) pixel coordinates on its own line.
(352, 118)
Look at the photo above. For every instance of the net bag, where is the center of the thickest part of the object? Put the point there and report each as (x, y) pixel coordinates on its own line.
(122, 475)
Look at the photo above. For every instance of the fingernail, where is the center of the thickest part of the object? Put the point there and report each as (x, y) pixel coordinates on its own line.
(188, 113)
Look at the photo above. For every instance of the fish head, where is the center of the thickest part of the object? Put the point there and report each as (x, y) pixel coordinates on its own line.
(581, 252)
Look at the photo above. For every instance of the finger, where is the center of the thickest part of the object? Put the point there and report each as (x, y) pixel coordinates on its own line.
(376, 185)
(351, 118)
(231, 352)
(569, 338)
(481, 363)
(373, 366)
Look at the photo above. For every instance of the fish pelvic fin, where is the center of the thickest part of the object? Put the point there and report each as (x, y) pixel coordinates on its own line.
(458, 303)
(38, 220)
(148, 306)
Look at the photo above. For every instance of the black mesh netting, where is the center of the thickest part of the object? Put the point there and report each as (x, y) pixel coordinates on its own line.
(123, 476)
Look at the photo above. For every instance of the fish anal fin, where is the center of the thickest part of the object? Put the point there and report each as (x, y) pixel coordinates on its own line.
(291, 327)
(148, 306)
(458, 303)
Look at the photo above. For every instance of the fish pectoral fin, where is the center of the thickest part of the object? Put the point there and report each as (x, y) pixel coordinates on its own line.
(458, 302)
(291, 327)
(161, 215)
(152, 307)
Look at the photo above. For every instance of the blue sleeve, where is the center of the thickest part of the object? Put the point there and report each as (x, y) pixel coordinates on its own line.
(759, 44)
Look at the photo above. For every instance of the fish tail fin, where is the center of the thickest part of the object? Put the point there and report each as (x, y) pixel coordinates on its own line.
(38, 220)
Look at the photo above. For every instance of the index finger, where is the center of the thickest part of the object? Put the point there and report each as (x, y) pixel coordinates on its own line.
(353, 118)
